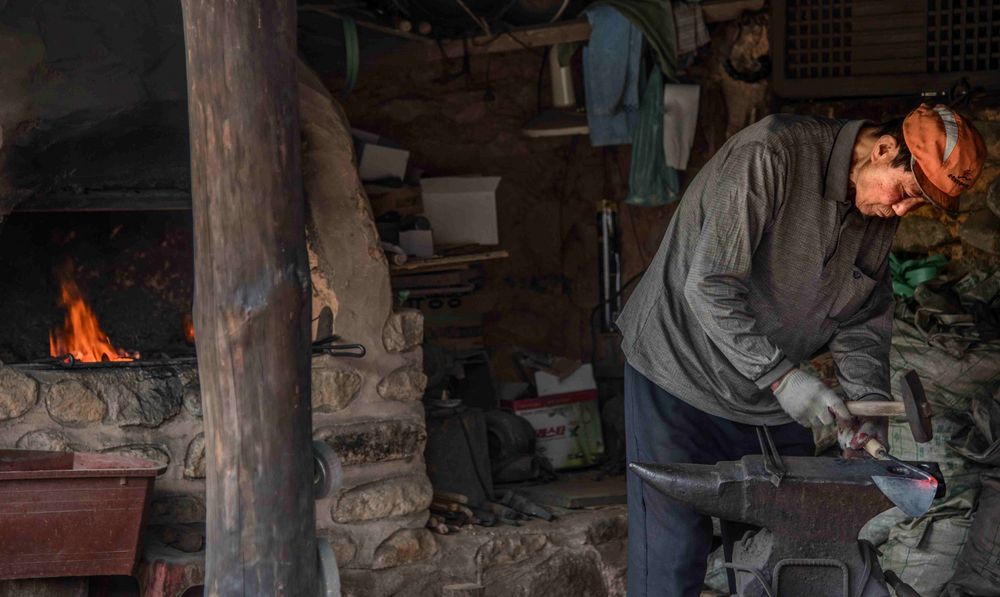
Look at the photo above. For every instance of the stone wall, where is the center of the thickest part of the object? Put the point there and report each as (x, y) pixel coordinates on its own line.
(155, 413)
(582, 553)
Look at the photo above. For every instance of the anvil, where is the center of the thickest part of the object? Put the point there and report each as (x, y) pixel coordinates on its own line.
(808, 544)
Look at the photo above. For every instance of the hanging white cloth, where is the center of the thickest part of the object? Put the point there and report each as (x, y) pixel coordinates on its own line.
(680, 118)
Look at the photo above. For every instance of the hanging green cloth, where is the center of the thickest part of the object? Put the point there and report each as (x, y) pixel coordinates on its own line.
(651, 181)
(655, 18)
(352, 57)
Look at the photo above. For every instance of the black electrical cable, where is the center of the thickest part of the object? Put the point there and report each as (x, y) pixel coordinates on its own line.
(597, 308)
(538, 84)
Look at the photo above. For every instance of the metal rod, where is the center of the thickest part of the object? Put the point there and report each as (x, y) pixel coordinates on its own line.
(60, 365)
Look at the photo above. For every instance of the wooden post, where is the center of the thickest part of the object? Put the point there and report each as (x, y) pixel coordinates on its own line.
(251, 296)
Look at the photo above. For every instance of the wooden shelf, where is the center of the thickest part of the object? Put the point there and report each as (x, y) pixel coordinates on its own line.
(516, 39)
(537, 36)
(450, 262)
(519, 38)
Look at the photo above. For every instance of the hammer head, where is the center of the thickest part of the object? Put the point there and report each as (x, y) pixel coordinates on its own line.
(918, 410)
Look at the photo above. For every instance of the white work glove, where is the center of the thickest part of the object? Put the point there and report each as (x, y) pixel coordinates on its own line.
(854, 433)
(807, 400)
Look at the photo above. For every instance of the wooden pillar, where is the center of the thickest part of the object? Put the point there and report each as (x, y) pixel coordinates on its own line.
(251, 296)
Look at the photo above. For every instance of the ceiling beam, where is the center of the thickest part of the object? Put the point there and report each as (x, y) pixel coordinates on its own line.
(522, 38)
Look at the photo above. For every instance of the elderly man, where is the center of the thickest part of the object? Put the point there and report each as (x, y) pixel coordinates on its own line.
(778, 249)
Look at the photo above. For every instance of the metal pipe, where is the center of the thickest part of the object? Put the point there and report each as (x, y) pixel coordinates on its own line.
(563, 93)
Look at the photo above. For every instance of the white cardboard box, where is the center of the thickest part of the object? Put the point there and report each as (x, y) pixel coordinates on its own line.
(579, 380)
(462, 210)
(419, 243)
(566, 418)
(377, 159)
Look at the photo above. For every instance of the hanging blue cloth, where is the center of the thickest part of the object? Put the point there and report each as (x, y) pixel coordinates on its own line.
(611, 76)
(651, 181)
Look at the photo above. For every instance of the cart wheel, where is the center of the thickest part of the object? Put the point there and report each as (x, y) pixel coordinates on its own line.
(328, 474)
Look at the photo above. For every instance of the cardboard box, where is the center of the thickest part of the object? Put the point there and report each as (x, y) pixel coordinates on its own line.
(378, 157)
(566, 419)
(462, 210)
(403, 200)
(419, 243)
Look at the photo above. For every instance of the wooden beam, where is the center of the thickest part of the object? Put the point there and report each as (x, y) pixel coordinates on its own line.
(516, 39)
(539, 36)
(525, 38)
(252, 296)
(716, 11)
(437, 263)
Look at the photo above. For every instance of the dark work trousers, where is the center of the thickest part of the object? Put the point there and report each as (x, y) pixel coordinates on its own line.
(669, 542)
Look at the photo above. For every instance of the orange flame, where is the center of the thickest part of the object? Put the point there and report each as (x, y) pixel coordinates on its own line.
(81, 337)
(188, 329)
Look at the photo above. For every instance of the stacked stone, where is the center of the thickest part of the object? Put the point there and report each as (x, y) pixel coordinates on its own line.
(583, 552)
(371, 414)
(368, 411)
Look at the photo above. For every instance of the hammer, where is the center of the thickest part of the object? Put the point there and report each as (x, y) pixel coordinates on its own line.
(910, 488)
(914, 408)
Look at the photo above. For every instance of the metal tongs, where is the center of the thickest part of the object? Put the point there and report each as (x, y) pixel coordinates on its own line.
(773, 463)
(328, 346)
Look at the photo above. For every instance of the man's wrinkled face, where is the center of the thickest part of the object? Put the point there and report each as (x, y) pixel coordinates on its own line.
(882, 190)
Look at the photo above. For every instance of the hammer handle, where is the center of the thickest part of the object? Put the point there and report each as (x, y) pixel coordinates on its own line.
(876, 409)
(875, 448)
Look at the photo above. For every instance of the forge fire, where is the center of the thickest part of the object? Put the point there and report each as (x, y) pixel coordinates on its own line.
(81, 338)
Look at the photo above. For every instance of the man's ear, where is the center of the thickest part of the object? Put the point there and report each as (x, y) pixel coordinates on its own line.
(885, 149)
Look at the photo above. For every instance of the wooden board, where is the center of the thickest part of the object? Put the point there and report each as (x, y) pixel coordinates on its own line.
(440, 263)
(578, 491)
(433, 279)
(517, 39)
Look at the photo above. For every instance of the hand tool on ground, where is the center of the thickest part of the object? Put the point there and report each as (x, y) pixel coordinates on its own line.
(809, 543)
(913, 407)
(522, 504)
